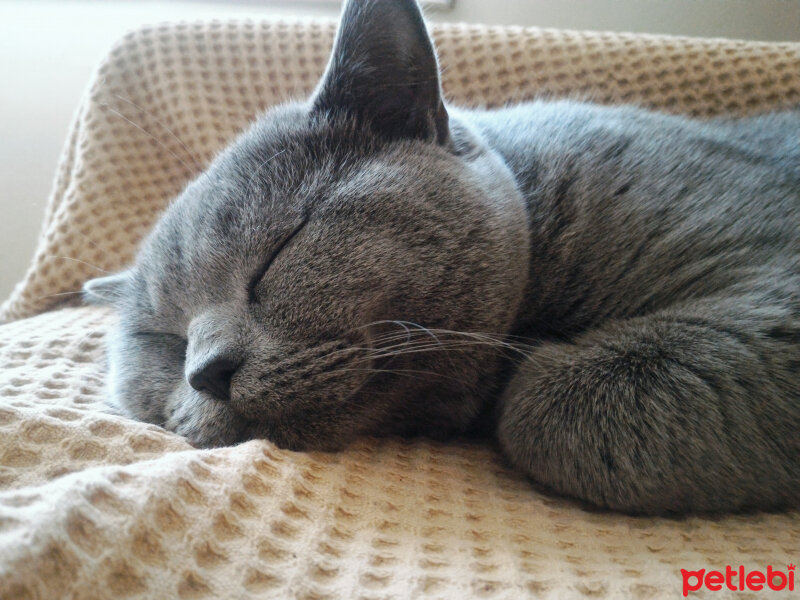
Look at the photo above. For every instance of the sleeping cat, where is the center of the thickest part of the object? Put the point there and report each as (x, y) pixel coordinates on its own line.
(614, 292)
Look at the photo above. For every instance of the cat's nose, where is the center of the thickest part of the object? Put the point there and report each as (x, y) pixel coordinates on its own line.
(215, 377)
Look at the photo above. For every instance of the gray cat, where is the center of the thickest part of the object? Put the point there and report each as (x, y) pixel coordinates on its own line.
(614, 292)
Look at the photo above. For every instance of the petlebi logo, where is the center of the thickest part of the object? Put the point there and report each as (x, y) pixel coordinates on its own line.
(739, 579)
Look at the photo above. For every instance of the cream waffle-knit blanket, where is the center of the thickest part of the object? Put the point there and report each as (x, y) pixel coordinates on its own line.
(93, 505)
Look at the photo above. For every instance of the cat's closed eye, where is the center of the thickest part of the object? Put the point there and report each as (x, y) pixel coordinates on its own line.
(252, 296)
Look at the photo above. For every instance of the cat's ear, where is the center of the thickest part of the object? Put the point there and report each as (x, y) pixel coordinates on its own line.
(109, 290)
(383, 71)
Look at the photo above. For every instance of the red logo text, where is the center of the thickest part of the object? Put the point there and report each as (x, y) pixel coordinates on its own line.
(738, 579)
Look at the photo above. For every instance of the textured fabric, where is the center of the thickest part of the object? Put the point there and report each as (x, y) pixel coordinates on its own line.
(94, 505)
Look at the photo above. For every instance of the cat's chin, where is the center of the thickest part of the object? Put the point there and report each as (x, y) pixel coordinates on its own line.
(295, 438)
(205, 423)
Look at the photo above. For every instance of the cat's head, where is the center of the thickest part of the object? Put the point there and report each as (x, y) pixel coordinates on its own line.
(306, 287)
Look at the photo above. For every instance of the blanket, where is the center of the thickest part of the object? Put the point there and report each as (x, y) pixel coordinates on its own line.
(93, 505)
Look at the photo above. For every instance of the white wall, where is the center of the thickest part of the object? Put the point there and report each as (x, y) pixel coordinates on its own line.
(777, 20)
(49, 47)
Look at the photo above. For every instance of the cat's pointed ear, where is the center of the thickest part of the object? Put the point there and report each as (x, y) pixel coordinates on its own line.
(383, 71)
(109, 290)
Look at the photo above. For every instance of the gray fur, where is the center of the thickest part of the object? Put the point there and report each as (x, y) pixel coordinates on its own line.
(615, 291)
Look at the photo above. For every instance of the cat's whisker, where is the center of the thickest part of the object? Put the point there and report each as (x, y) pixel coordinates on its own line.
(192, 172)
(402, 349)
(410, 373)
(57, 294)
(186, 166)
(449, 346)
(506, 338)
(373, 347)
(409, 333)
(418, 327)
(403, 324)
(72, 293)
(392, 338)
(495, 338)
(381, 350)
(166, 128)
(483, 338)
(86, 238)
(250, 181)
(77, 260)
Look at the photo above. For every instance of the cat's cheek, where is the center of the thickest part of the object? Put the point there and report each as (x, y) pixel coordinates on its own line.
(203, 421)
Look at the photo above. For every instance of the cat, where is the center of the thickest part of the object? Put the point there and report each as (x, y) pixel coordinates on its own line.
(613, 292)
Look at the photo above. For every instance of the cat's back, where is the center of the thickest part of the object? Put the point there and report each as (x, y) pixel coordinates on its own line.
(577, 142)
(632, 210)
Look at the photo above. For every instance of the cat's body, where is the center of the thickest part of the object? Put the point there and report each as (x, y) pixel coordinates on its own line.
(363, 264)
(665, 289)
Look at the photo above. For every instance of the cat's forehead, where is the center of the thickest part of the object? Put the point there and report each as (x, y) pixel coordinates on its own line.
(288, 168)
(260, 182)
(290, 163)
